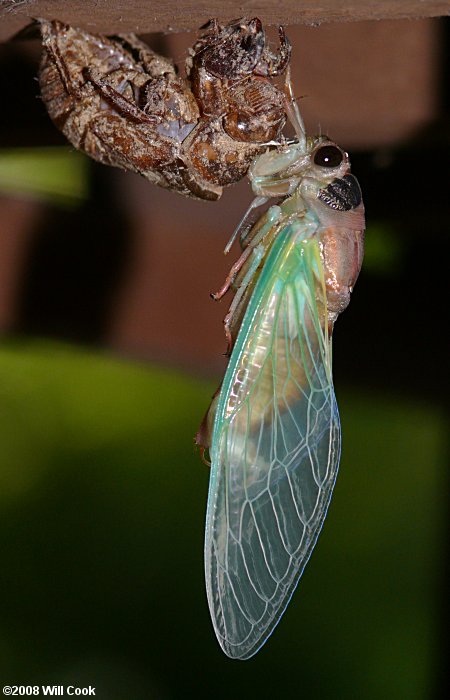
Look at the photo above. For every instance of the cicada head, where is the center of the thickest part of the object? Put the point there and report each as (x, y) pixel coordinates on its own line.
(318, 160)
(313, 176)
(238, 50)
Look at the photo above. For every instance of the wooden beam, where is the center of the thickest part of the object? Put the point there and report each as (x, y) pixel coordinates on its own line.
(144, 16)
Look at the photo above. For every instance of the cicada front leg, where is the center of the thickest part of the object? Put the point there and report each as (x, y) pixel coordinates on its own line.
(116, 99)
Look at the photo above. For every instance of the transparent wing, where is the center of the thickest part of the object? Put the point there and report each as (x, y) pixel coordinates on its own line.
(275, 449)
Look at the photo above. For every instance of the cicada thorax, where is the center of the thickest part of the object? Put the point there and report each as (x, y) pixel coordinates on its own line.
(215, 156)
(249, 118)
(242, 118)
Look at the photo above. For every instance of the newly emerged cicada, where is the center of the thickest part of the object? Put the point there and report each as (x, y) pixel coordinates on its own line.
(273, 428)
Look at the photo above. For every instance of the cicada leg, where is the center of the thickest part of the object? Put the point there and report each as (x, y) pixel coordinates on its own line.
(236, 267)
(258, 232)
(118, 101)
(257, 202)
(49, 31)
(203, 435)
(284, 54)
(233, 317)
(251, 257)
(293, 111)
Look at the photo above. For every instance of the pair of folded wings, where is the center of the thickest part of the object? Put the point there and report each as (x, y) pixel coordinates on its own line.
(275, 449)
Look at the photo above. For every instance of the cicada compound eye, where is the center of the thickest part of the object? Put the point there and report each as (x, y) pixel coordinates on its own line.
(328, 156)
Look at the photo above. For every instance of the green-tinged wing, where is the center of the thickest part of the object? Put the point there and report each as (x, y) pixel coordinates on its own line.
(275, 449)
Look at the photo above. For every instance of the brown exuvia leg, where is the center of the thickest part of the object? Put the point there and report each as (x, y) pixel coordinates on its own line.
(116, 100)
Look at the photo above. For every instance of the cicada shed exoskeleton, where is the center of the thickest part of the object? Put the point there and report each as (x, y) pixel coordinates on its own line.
(122, 104)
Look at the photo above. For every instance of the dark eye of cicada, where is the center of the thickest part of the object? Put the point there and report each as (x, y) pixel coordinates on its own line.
(328, 156)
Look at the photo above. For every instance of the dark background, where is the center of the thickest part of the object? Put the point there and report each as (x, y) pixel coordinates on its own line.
(111, 351)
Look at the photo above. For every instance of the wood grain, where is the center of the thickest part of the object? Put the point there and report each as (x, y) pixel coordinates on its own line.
(144, 16)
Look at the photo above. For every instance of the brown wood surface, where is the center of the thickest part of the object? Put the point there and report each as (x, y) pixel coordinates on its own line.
(144, 16)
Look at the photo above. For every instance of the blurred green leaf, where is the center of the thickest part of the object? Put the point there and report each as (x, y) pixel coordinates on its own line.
(55, 174)
(101, 532)
(383, 248)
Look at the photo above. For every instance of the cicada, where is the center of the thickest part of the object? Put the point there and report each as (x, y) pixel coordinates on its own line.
(121, 103)
(273, 429)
